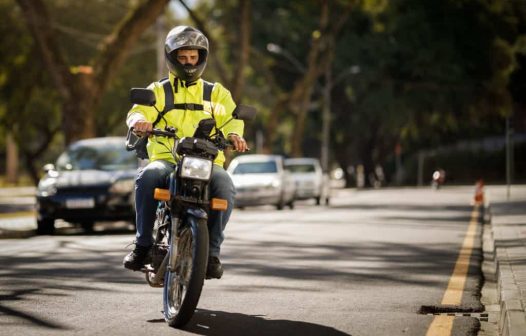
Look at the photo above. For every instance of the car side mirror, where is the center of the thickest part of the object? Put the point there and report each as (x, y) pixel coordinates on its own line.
(48, 167)
(142, 97)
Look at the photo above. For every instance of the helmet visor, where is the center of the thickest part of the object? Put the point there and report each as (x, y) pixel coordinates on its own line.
(187, 39)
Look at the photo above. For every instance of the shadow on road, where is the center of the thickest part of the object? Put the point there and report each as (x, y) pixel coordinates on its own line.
(26, 316)
(209, 322)
(69, 267)
(394, 262)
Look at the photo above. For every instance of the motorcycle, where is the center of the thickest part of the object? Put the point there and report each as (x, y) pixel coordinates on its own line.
(179, 254)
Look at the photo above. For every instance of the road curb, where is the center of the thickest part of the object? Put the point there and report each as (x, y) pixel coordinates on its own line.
(512, 319)
(16, 234)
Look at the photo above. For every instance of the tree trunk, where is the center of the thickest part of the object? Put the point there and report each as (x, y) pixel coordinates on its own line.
(271, 133)
(11, 160)
(78, 112)
(238, 81)
(300, 99)
(82, 87)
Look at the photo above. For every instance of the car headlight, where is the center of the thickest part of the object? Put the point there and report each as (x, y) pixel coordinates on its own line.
(122, 186)
(47, 187)
(196, 168)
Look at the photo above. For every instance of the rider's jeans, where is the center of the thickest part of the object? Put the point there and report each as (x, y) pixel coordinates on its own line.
(155, 175)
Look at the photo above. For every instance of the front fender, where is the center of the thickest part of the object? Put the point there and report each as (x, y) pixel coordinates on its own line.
(196, 213)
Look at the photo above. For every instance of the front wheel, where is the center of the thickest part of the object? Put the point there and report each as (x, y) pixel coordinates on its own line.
(87, 226)
(183, 283)
(46, 226)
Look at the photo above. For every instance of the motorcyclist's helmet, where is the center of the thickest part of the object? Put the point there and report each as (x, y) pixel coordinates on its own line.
(186, 37)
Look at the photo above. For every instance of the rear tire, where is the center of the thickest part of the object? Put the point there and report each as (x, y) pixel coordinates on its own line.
(46, 226)
(87, 226)
(182, 288)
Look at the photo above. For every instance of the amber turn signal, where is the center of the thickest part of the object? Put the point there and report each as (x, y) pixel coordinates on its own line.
(161, 194)
(218, 204)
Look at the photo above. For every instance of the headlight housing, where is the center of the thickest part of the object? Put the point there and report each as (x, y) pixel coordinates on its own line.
(276, 183)
(47, 187)
(122, 186)
(196, 168)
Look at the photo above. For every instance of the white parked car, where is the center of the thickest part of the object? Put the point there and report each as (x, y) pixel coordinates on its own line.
(309, 178)
(261, 180)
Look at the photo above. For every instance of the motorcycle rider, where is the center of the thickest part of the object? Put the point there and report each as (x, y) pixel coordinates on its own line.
(186, 53)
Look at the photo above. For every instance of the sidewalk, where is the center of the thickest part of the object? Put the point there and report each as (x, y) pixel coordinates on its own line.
(505, 253)
(17, 217)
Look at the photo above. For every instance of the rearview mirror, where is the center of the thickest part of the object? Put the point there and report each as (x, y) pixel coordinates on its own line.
(244, 112)
(142, 97)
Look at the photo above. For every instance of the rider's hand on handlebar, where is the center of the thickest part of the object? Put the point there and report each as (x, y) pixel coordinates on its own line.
(238, 142)
(142, 127)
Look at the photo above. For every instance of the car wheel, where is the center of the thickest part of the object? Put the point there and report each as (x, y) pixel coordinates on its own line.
(46, 226)
(280, 205)
(87, 226)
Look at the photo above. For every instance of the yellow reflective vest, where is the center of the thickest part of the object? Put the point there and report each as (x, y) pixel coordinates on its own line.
(186, 121)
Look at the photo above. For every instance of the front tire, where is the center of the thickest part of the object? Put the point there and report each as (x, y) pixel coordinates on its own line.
(46, 226)
(87, 226)
(182, 286)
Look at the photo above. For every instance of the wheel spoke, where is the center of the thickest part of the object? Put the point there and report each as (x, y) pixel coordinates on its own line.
(183, 285)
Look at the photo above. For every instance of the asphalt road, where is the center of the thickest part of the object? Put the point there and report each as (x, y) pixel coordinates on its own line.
(366, 265)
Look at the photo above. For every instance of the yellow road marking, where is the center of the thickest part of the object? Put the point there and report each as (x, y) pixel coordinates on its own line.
(442, 325)
(17, 214)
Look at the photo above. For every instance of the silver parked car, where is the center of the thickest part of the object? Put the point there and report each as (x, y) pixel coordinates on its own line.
(310, 180)
(262, 180)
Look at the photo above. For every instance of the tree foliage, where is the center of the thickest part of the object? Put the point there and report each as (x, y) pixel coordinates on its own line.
(431, 73)
(408, 74)
(73, 56)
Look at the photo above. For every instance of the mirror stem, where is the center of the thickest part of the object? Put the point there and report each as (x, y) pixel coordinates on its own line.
(229, 120)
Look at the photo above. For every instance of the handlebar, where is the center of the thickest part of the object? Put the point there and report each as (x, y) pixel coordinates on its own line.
(160, 132)
(220, 142)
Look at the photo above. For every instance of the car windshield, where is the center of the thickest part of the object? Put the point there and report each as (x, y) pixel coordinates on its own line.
(108, 157)
(256, 168)
(301, 168)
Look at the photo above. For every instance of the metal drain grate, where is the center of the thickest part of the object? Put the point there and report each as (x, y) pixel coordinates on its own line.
(480, 316)
(483, 315)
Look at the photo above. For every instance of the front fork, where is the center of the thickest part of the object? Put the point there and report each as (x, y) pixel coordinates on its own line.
(174, 240)
(170, 261)
(191, 218)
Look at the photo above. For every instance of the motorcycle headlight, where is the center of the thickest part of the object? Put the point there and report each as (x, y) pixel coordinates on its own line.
(122, 186)
(196, 168)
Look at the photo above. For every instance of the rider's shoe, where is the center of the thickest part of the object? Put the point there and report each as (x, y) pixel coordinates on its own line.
(136, 259)
(214, 270)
